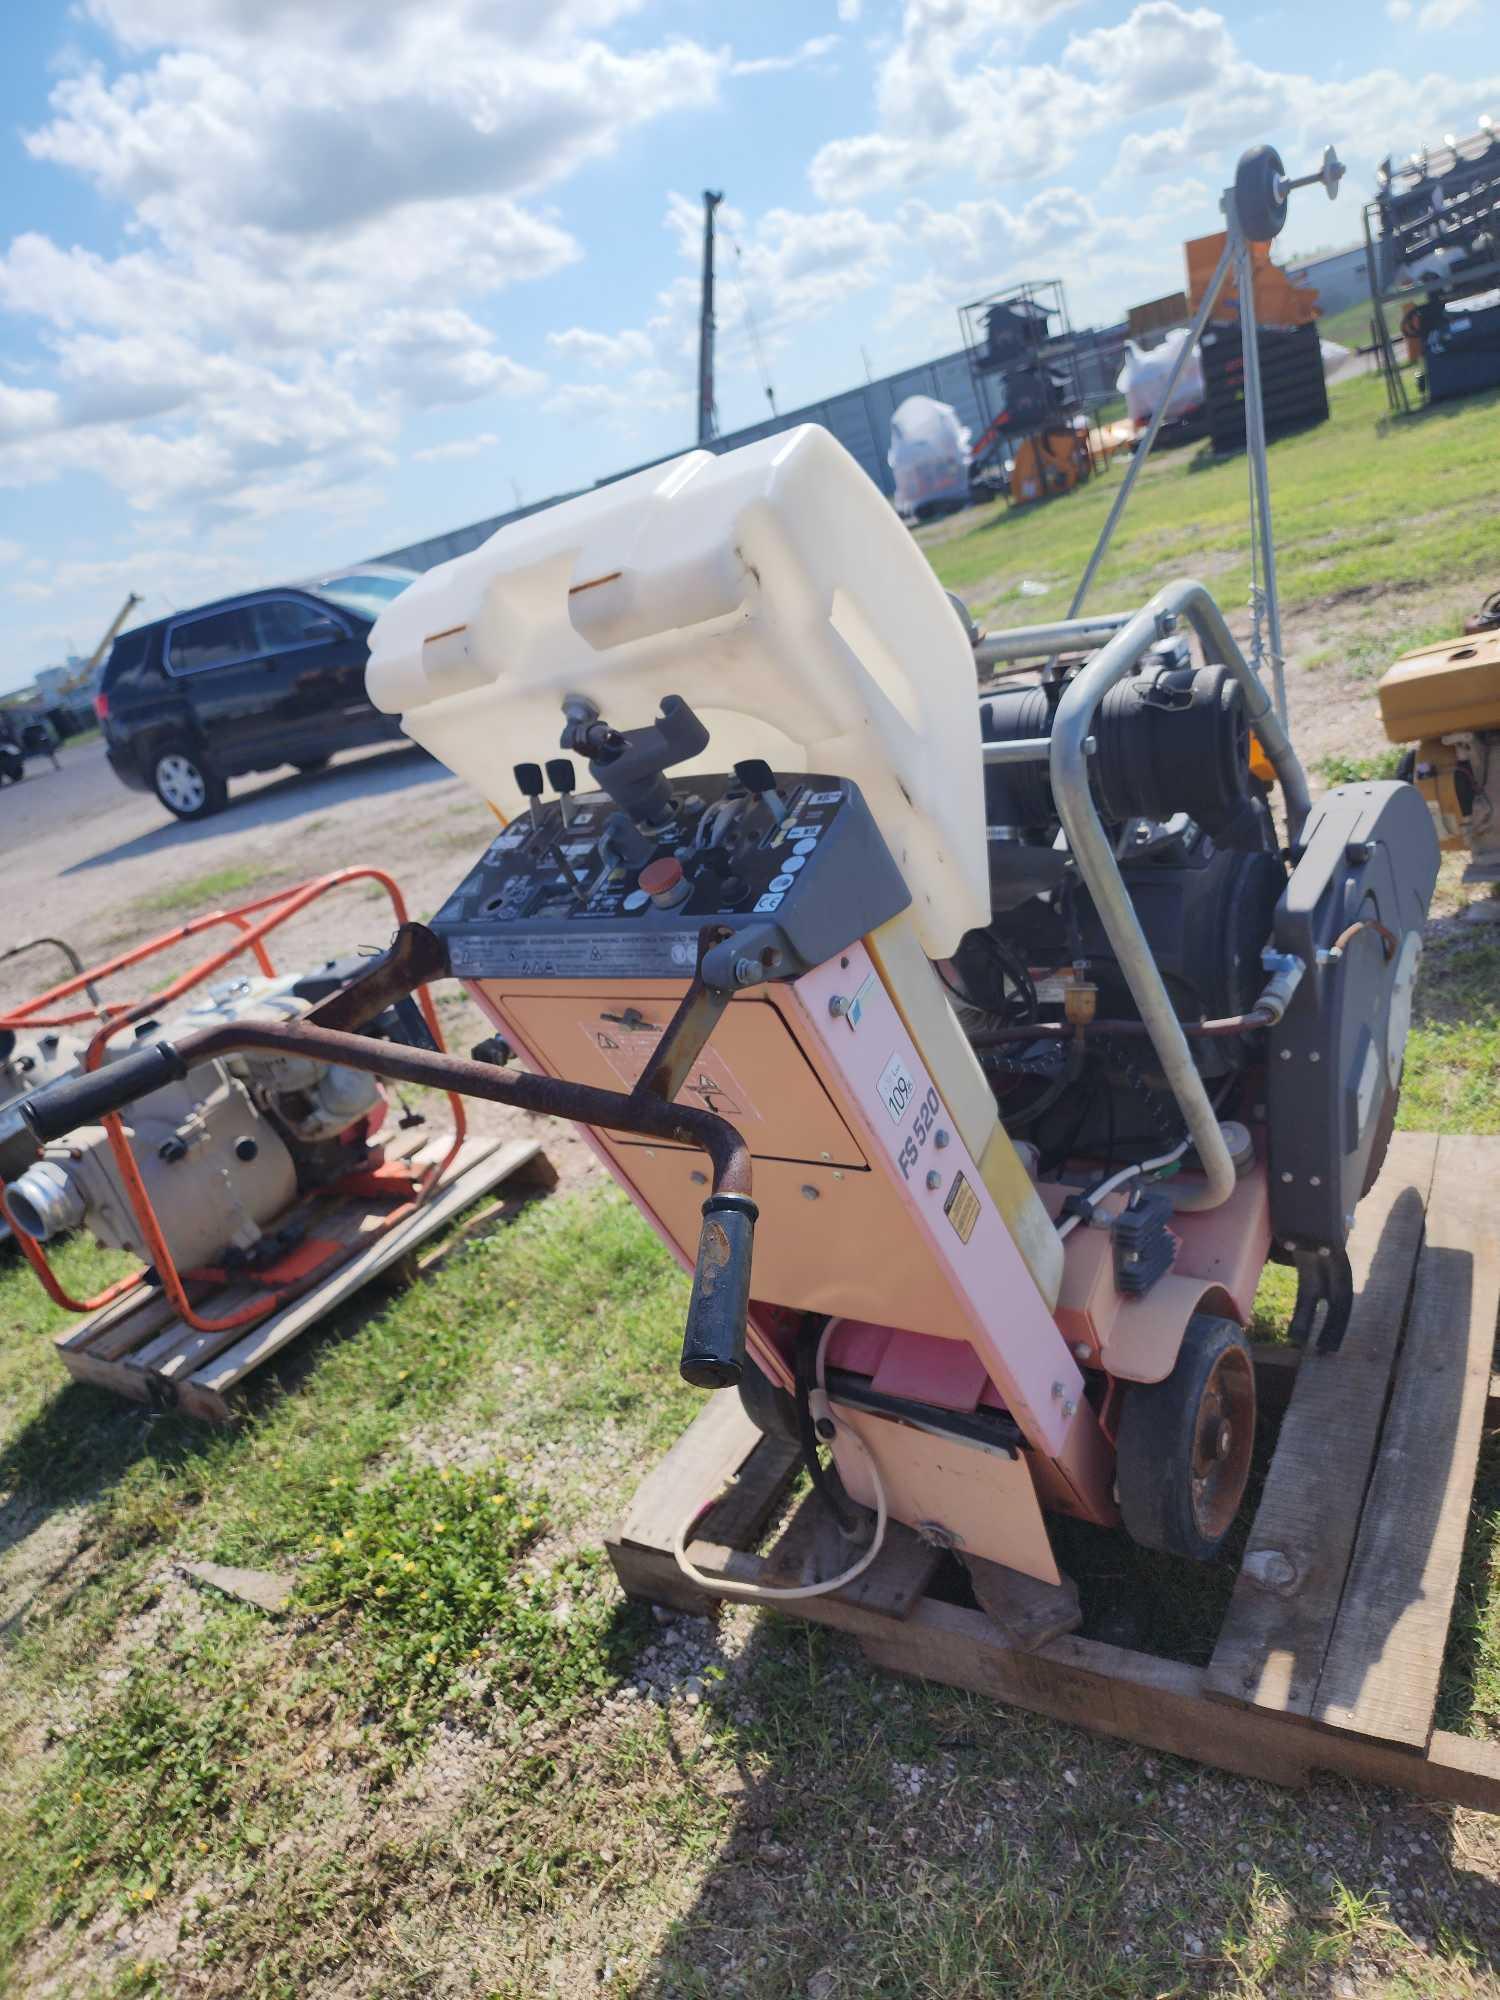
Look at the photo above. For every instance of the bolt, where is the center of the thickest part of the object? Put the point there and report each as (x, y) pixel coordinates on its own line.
(809, 1192)
(825, 1156)
(1286, 1177)
(1082, 1351)
(745, 970)
(1286, 1055)
(838, 1173)
(1059, 1389)
(1314, 1056)
(940, 1138)
(1316, 1180)
(1069, 1407)
(934, 1179)
(698, 1177)
(838, 1006)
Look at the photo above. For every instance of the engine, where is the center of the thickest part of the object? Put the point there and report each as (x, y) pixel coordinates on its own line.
(1197, 851)
(223, 1152)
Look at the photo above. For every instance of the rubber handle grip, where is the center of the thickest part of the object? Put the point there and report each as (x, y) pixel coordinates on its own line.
(83, 1100)
(713, 1341)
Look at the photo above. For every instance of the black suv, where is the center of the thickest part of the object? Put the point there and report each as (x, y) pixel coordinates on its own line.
(271, 677)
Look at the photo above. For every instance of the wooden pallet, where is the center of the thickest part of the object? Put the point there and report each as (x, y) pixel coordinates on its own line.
(1331, 1648)
(140, 1348)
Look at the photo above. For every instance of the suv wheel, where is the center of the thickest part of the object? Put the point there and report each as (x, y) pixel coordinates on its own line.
(186, 785)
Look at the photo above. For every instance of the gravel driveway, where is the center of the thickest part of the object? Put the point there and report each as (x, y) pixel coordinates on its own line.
(84, 859)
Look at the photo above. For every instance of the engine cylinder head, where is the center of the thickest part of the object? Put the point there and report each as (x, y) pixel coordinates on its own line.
(1170, 739)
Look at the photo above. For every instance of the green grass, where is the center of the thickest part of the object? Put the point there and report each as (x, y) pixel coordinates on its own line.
(1338, 769)
(1351, 327)
(1360, 504)
(202, 892)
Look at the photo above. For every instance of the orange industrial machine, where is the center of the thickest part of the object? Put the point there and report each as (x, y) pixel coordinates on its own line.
(1445, 700)
(973, 1059)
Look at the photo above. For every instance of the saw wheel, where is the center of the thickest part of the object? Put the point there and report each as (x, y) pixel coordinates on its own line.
(1185, 1443)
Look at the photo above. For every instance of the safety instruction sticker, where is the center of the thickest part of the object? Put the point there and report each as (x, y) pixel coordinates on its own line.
(962, 1208)
(710, 1084)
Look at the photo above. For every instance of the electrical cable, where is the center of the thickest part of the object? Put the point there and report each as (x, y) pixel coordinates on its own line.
(762, 1593)
(1096, 1194)
(751, 327)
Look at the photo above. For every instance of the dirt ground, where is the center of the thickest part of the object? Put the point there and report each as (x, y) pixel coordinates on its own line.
(106, 869)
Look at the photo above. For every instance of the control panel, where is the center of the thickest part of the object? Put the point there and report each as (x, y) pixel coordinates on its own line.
(794, 867)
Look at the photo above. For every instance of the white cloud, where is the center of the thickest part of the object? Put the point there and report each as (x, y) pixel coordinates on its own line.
(951, 97)
(317, 198)
(1436, 15)
(602, 350)
(848, 10)
(468, 447)
(812, 50)
(783, 270)
(10, 552)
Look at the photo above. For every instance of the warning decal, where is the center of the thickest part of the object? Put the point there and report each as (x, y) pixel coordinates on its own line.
(710, 1085)
(962, 1208)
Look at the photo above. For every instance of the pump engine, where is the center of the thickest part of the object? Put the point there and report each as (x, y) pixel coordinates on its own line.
(223, 1150)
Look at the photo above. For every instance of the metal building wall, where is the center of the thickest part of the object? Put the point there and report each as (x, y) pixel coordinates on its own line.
(859, 418)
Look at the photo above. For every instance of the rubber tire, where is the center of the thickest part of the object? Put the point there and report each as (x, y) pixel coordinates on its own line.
(215, 788)
(768, 1407)
(1150, 1471)
(307, 765)
(1262, 216)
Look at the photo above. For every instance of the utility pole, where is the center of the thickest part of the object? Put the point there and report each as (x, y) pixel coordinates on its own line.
(708, 423)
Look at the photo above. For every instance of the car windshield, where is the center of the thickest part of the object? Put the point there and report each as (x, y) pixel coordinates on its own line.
(368, 595)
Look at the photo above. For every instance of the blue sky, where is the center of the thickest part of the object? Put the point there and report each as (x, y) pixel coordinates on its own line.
(283, 282)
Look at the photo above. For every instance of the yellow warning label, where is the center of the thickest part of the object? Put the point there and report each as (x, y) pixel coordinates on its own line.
(962, 1208)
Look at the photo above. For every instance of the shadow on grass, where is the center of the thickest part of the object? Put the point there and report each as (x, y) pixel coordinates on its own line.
(895, 1840)
(86, 1443)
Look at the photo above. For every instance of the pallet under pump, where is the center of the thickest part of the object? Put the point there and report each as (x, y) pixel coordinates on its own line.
(975, 1057)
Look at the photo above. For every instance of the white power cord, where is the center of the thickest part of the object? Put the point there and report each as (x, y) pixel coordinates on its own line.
(1097, 1194)
(761, 1593)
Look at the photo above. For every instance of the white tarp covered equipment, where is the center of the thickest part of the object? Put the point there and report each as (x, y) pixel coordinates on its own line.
(929, 454)
(1144, 377)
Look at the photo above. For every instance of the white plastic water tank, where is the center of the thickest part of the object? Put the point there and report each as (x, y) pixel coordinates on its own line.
(772, 588)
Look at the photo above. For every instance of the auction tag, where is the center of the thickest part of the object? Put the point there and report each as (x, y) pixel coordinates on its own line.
(896, 1089)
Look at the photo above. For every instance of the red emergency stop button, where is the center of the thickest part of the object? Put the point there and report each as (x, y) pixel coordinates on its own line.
(664, 882)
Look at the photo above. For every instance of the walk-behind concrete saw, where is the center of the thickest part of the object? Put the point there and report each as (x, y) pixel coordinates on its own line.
(1017, 1040)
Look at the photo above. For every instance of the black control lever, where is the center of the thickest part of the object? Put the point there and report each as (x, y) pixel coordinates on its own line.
(756, 775)
(560, 778)
(530, 784)
(713, 1341)
(628, 764)
(83, 1100)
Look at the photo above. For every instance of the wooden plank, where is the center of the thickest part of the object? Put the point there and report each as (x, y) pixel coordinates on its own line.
(1110, 1691)
(86, 1367)
(266, 1339)
(115, 1329)
(1380, 1677)
(1023, 1611)
(711, 1454)
(811, 1548)
(1275, 1635)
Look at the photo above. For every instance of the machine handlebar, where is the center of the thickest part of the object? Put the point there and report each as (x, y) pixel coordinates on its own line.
(83, 1100)
(713, 1340)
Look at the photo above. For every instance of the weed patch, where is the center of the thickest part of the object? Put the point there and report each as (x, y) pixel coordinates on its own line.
(428, 1573)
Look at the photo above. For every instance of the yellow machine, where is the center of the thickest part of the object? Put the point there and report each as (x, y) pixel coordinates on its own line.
(1446, 700)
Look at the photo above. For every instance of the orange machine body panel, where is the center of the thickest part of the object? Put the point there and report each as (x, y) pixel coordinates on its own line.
(813, 1184)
